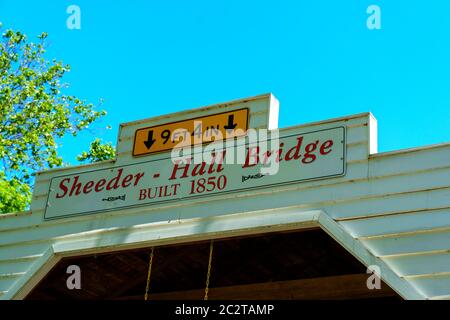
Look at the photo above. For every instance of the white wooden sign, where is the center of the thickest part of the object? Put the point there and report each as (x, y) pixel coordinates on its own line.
(298, 157)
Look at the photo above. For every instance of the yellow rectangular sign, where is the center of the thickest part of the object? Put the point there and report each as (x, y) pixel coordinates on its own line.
(190, 132)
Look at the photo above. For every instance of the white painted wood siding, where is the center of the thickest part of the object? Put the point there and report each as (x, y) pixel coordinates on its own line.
(395, 205)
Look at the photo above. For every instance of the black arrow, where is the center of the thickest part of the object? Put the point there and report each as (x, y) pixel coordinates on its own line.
(150, 141)
(231, 125)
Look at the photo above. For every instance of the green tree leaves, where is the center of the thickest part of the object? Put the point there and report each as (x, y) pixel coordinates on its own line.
(14, 195)
(34, 113)
(98, 152)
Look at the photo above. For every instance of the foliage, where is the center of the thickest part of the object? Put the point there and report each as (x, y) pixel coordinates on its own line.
(34, 114)
(97, 152)
(14, 195)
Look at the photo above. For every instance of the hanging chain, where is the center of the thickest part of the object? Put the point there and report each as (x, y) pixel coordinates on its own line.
(208, 275)
(149, 273)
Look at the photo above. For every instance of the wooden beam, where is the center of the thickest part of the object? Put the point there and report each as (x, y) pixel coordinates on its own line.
(326, 288)
(141, 267)
(141, 273)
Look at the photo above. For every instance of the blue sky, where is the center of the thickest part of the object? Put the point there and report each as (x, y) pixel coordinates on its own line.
(147, 58)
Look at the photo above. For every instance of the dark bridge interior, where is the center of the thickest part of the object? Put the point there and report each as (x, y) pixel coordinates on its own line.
(288, 265)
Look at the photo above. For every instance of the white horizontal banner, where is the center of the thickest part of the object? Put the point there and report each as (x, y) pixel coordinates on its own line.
(291, 159)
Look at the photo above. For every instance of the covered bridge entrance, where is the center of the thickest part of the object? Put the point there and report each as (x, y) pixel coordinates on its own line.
(333, 208)
(305, 264)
